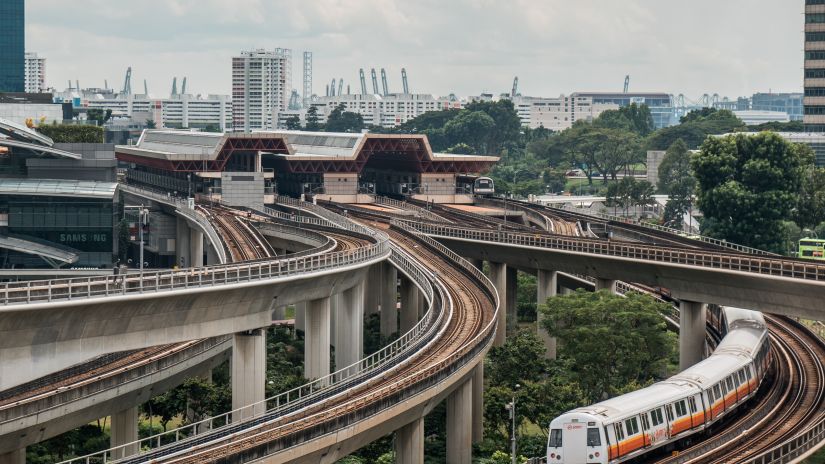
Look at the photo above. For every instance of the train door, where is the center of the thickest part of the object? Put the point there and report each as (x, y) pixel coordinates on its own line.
(574, 442)
(658, 426)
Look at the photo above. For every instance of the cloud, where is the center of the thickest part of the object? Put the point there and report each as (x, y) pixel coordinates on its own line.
(731, 47)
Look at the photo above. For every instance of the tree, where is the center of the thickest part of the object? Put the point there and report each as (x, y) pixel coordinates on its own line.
(212, 127)
(617, 150)
(71, 133)
(471, 128)
(293, 123)
(98, 115)
(677, 181)
(610, 341)
(506, 128)
(631, 118)
(313, 120)
(150, 124)
(809, 211)
(791, 126)
(695, 128)
(340, 120)
(748, 185)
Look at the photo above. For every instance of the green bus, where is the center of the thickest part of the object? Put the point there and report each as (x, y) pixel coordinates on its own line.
(811, 248)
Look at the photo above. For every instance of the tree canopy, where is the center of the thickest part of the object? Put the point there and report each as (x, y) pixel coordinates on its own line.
(340, 120)
(677, 181)
(71, 133)
(696, 126)
(749, 185)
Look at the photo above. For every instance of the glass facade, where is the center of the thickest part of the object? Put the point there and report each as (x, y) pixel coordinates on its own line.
(12, 46)
(790, 103)
(661, 105)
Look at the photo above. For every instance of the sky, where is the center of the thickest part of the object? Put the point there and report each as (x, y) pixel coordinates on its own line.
(730, 47)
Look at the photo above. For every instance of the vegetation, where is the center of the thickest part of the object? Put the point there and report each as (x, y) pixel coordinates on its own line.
(629, 192)
(695, 127)
(340, 120)
(677, 181)
(293, 123)
(748, 186)
(313, 123)
(98, 115)
(70, 133)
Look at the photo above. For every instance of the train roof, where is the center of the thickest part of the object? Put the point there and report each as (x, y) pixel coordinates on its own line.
(635, 402)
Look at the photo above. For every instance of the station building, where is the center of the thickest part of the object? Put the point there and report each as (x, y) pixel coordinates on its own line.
(245, 169)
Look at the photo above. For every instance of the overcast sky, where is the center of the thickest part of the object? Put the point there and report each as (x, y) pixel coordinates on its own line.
(730, 47)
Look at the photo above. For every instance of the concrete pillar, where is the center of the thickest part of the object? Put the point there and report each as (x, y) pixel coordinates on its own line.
(409, 443)
(389, 299)
(248, 373)
(478, 403)
(300, 316)
(409, 305)
(182, 243)
(316, 339)
(547, 282)
(372, 291)
(124, 429)
(196, 247)
(211, 255)
(334, 303)
(279, 313)
(512, 302)
(605, 284)
(460, 424)
(350, 327)
(14, 457)
(498, 275)
(692, 319)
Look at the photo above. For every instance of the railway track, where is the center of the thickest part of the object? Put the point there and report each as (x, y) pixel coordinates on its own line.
(242, 241)
(470, 313)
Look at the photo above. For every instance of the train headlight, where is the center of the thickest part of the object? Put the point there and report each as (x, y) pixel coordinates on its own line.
(552, 455)
(597, 454)
(590, 456)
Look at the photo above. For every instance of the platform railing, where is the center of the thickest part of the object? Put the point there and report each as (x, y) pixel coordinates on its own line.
(766, 265)
(271, 408)
(404, 205)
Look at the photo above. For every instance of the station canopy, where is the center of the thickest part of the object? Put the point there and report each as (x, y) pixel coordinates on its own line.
(297, 152)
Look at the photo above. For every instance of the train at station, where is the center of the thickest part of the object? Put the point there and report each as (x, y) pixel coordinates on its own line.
(630, 426)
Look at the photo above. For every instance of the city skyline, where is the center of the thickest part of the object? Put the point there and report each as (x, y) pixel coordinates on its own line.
(589, 46)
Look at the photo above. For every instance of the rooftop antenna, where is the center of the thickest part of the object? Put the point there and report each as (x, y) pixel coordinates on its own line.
(404, 81)
(363, 82)
(384, 82)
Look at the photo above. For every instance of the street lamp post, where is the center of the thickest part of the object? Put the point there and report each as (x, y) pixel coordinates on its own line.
(143, 221)
(512, 408)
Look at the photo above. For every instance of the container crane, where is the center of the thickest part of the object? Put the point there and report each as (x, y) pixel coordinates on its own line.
(363, 81)
(374, 82)
(341, 86)
(515, 88)
(626, 83)
(384, 82)
(127, 84)
(404, 81)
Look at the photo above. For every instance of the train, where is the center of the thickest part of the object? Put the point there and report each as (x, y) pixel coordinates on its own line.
(629, 426)
(484, 186)
(812, 248)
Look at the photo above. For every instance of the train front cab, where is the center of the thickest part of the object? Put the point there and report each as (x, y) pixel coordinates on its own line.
(576, 438)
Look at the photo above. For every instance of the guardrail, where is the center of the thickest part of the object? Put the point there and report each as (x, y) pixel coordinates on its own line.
(388, 357)
(656, 227)
(765, 265)
(420, 212)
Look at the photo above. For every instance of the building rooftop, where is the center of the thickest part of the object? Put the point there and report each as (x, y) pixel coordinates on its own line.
(58, 188)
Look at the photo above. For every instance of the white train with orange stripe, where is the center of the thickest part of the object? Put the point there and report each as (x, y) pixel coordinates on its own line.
(631, 425)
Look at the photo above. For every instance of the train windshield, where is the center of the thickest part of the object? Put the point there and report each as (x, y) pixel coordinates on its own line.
(555, 439)
(593, 437)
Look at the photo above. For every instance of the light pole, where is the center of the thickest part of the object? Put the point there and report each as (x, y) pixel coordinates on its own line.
(512, 408)
(143, 221)
(189, 185)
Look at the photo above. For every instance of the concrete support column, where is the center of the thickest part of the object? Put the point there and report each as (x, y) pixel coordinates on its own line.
(316, 339)
(512, 302)
(409, 304)
(300, 317)
(182, 243)
(460, 424)
(692, 319)
(605, 284)
(211, 255)
(14, 457)
(279, 313)
(196, 247)
(409, 443)
(498, 275)
(389, 299)
(350, 327)
(124, 429)
(372, 291)
(248, 373)
(478, 403)
(547, 282)
(334, 304)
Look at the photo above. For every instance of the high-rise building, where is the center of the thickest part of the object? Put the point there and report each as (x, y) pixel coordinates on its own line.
(12, 46)
(35, 73)
(261, 87)
(814, 100)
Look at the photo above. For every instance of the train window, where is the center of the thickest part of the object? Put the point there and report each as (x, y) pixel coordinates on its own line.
(659, 417)
(724, 388)
(555, 439)
(692, 403)
(632, 426)
(742, 378)
(619, 431)
(717, 394)
(593, 437)
(681, 410)
(645, 422)
(729, 381)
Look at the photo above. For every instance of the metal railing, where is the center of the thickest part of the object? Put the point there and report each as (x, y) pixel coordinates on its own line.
(656, 227)
(403, 205)
(765, 265)
(389, 357)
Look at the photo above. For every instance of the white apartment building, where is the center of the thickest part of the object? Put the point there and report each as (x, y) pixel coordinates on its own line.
(558, 114)
(385, 110)
(261, 87)
(35, 73)
(179, 111)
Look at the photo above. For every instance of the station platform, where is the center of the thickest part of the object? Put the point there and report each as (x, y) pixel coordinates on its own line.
(487, 211)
